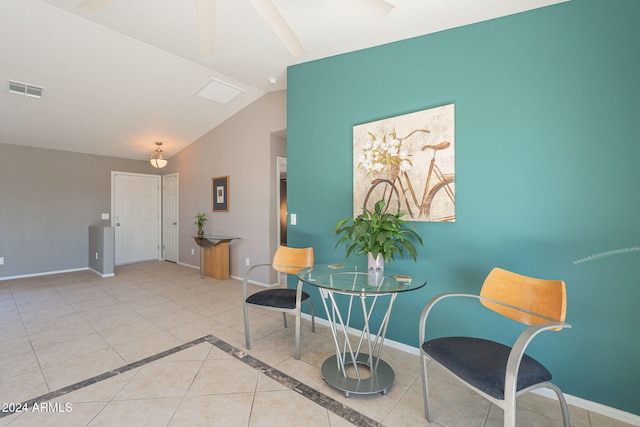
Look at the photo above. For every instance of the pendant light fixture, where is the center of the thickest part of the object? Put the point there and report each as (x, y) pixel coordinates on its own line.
(156, 160)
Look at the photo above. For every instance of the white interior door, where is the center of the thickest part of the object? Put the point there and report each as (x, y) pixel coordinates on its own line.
(136, 217)
(170, 217)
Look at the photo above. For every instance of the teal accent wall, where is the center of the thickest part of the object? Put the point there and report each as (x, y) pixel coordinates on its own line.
(547, 151)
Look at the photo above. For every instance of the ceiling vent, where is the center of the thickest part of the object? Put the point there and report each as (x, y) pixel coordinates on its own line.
(219, 91)
(25, 89)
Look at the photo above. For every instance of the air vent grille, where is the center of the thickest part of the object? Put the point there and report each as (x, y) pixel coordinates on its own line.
(219, 91)
(25, 89)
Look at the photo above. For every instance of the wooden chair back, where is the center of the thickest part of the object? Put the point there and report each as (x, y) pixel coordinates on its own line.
(545, 297)
(291, 260)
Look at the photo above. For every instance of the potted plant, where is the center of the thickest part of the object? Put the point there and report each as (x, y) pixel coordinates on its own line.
(200, 221)
(380, 235)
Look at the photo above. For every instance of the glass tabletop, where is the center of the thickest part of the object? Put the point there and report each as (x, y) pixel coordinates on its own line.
(357, 279)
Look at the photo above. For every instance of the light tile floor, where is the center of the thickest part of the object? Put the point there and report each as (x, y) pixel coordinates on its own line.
(157, 345)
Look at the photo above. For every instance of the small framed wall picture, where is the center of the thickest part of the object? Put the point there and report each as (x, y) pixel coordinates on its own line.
(220, 190)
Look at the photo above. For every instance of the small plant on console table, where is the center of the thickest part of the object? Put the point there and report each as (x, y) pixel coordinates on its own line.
(381, 236)
(200, 221)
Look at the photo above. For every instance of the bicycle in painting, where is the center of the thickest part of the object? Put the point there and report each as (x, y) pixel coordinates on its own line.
(395, 187)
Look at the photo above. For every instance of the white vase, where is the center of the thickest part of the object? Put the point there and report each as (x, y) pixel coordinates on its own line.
(375, 263)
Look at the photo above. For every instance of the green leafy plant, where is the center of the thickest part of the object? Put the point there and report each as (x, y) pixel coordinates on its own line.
(200, 221)
(378, 233)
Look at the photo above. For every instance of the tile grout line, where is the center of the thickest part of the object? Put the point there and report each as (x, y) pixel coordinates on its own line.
(106, 375)
(291, 383)
(33, 349)
(306, 391)
(204, 361)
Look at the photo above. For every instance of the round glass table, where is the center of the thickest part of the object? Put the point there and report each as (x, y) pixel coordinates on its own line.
(357, 367)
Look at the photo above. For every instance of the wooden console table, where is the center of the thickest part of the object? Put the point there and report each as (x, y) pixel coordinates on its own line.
(214, 256)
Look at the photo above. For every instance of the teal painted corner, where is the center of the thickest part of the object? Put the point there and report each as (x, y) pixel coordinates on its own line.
(546, 170)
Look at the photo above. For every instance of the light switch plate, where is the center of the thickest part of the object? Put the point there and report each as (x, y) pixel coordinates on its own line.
(105, 216)
(294, 219)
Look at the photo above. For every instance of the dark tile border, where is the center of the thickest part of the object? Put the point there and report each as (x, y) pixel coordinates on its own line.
(106, 375)
(310, 393)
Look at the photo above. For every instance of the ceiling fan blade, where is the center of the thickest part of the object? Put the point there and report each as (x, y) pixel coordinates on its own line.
(272, 15)
(206, 11)
(377, 8)
(94, 5)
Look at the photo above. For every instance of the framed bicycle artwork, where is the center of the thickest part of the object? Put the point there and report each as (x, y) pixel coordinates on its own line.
(409, 162)
(220, 190)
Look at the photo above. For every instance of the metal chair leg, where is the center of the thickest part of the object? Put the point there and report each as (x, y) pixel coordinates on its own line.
(298, 335)
(425, 387)
(247, 337)
(563, 404)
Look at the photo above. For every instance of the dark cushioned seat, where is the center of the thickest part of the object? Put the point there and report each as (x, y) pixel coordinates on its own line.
(482, 363)
(281, 298)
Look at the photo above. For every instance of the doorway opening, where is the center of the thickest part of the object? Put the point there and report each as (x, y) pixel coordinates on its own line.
(281, 197)
(281, 207)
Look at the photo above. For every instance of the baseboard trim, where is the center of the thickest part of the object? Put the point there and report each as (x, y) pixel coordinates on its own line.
(102, 274)
(591, 406)
(588, 405)
(46, 273)
(188, 265)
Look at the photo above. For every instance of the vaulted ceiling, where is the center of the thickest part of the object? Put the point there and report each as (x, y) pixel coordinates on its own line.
(119, 75)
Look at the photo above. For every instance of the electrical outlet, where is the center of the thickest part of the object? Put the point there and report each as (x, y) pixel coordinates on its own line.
(247, 262)
(96, 255)
(1, 260)
(193, 251)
